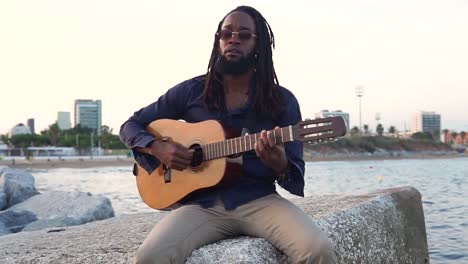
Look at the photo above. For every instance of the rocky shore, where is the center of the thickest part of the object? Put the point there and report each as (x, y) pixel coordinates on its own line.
(72, 162)
(379, 154)
(377, 147)
(62, 227)
(23, 208)
(383, 227)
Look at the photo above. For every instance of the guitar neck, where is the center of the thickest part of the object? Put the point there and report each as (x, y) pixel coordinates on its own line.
(242, 144)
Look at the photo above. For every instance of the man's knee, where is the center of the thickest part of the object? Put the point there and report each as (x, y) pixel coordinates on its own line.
(315, 250)
(158, 255)
(327, 252)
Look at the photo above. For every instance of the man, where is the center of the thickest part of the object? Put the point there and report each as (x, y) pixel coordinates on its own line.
(240, 90)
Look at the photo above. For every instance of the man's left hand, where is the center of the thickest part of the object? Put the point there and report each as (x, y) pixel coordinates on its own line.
(270, 153)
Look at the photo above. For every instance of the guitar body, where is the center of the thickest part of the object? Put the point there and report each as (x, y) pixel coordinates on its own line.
(214, 148)
(158, 194)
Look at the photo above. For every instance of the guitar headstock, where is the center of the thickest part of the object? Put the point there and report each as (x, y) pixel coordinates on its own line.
(319, 130)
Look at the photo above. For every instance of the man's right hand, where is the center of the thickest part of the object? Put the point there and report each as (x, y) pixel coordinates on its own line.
(173, 155)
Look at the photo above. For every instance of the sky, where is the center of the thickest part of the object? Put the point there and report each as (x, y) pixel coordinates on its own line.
(408, 56)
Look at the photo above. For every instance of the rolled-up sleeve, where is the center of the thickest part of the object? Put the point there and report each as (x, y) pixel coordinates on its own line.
(294, 180)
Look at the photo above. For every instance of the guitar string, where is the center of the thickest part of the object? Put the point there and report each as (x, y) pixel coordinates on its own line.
(233, 146)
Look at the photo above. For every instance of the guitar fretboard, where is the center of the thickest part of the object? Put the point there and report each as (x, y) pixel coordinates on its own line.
(242, 144)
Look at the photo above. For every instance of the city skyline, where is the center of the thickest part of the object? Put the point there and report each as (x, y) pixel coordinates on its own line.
(408, 56)
(415, 125)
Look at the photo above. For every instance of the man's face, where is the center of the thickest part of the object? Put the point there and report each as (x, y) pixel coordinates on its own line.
(237, 40)
(237, 46)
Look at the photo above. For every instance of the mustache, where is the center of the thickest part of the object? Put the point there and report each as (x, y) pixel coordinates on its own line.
(237, 67)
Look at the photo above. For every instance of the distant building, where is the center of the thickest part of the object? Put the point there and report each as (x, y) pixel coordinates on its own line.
(52, 151)
(454, 137)
(404, 134)
(63, 120)
(18, 130)
(427, 122)
(88, 113)
(326, 113)
(31, 125)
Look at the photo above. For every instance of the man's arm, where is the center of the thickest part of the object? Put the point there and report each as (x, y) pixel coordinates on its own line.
(144, 145)
(286, 160)
(292, 177)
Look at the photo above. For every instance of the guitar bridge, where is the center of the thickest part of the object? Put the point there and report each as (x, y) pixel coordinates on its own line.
(167, 174)
(167, 171)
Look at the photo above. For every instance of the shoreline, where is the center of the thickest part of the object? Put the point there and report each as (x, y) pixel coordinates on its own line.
(364, 157)
(119, 161)
(79, 163)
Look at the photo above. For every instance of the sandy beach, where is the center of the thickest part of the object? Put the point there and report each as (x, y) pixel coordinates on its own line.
(67, 163)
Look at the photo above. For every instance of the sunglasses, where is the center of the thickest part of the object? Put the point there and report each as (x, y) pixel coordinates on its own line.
(226, 34)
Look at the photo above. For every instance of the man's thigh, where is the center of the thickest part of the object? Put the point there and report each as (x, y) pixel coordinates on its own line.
(286, 226)
(183, 230)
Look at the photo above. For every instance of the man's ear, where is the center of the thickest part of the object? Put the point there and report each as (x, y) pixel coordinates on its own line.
(256, 55)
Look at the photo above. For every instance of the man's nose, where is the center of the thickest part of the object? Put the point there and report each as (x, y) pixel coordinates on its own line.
(234, 38)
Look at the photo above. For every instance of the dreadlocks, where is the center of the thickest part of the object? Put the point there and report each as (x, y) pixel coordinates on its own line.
(267, 99)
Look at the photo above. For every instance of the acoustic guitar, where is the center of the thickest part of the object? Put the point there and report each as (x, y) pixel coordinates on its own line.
(213, 145)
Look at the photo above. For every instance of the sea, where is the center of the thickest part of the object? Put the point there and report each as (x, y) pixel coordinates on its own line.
(442, 182)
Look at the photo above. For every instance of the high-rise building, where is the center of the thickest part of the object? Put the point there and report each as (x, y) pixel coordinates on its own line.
(63, 120)
(31, 125)
(427, 122)
(88, 113)
(326, 113)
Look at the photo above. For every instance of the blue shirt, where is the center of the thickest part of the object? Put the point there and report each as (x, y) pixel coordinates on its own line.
(185, 101)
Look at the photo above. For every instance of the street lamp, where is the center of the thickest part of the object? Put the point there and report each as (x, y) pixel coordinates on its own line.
(360, 93)
(92, 134)
(377, 121)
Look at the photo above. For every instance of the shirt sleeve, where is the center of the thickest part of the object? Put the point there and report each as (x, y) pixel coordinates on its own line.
(293, 181)
(171, 105)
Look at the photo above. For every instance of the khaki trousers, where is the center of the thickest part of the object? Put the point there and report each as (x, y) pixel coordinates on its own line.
(272, 217)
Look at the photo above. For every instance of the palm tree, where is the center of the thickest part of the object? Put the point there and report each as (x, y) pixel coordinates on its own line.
(366, 129)
(462, 136)
(379, 129)
(354, 131)
(4, 138)
(392, 130)
(106, 136)
(106, 130)
(53, 133)
(453, 136)
(446, 132)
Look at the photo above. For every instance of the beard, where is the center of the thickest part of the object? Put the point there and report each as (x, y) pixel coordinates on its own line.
(238, 67)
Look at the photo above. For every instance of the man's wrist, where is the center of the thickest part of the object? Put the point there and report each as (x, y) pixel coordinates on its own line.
(149, 146)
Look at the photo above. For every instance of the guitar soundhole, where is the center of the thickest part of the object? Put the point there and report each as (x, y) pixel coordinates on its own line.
(197, 156)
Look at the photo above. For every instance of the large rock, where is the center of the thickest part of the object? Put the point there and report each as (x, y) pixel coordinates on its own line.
(58, 208)
(15, 221)
(17, 185)
(382, 227)
(238, 250)
(4, 230)
(3, 197)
